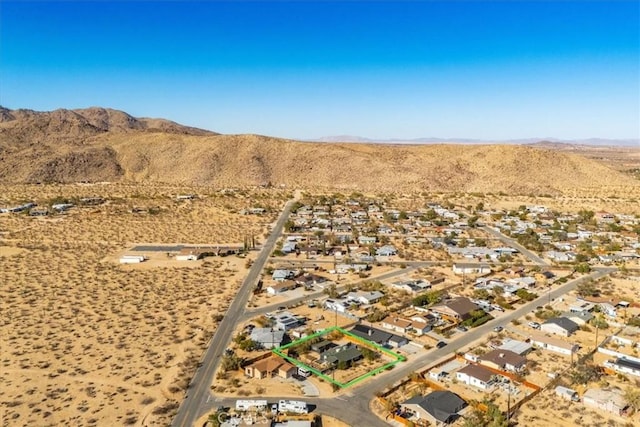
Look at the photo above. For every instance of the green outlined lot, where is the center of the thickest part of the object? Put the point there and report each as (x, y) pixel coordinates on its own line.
(396, 358)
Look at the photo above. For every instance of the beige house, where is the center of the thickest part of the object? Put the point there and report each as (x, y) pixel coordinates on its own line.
(269, 368)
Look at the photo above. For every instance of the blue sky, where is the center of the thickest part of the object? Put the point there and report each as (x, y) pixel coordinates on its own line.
(303, 69)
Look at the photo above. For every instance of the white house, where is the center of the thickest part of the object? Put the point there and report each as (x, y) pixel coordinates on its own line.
(608, 309)
(553, 344)
(609, 400)
(559, 326)
(365, 297)
(280, 287)
(624, 366)
(281, 275)
(476, 376)
(386, 250)
(341, 306)
(471, 268)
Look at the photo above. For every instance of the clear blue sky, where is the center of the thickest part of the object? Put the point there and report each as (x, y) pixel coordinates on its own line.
(302, 69)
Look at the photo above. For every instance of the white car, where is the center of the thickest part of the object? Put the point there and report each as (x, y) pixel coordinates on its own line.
(534, 325)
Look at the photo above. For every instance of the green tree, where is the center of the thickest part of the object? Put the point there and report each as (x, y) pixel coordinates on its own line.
(428, 298)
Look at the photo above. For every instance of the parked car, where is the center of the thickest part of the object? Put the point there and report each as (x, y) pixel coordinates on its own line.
(462, 328)
(534, 325)
(498, 329)
(441, 344)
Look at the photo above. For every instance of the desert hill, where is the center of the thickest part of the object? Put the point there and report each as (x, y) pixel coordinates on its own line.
(107, 145)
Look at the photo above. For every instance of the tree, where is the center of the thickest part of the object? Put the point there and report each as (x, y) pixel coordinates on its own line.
(584, 374)
(492, 418)
(587, 289)
(331, 290)
(428, 298)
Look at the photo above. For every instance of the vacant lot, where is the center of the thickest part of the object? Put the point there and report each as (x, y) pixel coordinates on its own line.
(87, 341)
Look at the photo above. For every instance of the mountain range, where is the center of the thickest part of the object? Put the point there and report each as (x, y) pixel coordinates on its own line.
(99, 144)
(433, 140)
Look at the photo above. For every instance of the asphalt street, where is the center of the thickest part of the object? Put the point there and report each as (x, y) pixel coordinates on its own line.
(352, 406)
(514, 244)
(198, 392)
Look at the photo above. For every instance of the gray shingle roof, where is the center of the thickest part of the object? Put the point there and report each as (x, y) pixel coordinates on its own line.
(442, 405)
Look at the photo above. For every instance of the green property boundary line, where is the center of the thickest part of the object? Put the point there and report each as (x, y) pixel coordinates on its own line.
(397, 357)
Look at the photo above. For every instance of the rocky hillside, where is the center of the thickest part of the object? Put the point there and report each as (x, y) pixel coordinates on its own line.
(107, 145)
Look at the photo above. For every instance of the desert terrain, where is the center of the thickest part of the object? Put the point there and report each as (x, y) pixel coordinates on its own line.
(85, 340)
(107, 145)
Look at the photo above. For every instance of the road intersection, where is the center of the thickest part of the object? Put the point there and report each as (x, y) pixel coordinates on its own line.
(353, 406)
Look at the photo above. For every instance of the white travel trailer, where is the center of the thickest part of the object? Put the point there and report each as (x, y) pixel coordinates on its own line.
(295, 406)
(251, 405)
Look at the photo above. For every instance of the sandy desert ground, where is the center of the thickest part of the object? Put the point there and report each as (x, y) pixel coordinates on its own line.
(87, 341)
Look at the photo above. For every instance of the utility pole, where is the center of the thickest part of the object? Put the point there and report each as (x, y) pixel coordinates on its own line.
(508, 402)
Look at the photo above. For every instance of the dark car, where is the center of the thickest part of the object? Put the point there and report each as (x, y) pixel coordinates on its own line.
(441, 344)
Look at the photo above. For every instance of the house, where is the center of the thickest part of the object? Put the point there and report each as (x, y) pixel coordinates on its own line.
(365, 297)
(422, 324)
(412, 286)
(476, 376)
(397, 341)
(515, 346)
(458, 309)
(624, 365)
(471, 268)
(608, 309)
(504, 360)
(372, 334)
(285, 321)
(386, 250)
(282, 275)
(310, 279)
(341, 306)
(553, 344)
(559, 326)
(436, 407)
(280, 287)
(270, 367)
(347, 353)
(322, 346)
(610, 400)
(581, 307)
(396, 324)
(189, 254)
(289, 247)
(267, 337)
(567, 393)
(367, 240)
(581, 318)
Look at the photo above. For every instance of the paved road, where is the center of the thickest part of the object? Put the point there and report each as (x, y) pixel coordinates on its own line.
(353, 406)
(514, 244)
(198, 392)
(311, 295)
